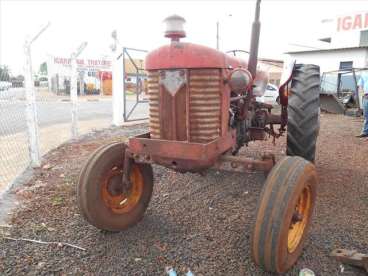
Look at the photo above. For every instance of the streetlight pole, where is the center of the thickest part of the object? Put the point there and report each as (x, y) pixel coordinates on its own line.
(31, 108)
(217, 35)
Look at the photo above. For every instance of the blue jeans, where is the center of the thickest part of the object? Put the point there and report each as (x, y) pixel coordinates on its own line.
(365, 114)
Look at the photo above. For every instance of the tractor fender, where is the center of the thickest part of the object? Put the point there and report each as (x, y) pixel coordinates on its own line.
(286, 76)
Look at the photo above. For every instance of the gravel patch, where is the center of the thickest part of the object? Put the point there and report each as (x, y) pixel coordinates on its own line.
(201, 223)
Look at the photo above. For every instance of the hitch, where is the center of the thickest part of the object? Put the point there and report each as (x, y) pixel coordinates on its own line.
(351, 257)
(231, 163)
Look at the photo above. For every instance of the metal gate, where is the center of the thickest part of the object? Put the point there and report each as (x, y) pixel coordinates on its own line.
(135, 81)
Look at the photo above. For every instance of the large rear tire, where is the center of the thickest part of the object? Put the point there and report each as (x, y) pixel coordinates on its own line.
(99, 195)
(284, 214)
(303, 111)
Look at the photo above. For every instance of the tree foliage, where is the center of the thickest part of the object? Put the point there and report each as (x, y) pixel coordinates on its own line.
(43, 68)
(4, 73)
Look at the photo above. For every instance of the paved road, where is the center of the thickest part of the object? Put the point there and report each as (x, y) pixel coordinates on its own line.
(54, 111)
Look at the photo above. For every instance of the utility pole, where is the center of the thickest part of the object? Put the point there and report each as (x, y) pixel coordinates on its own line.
(31, 108)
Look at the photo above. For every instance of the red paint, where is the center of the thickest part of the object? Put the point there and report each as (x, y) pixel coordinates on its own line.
(346, 23)
(188, 55)
(352, 22)
(357, 22)
(90, 62)
(104, 75)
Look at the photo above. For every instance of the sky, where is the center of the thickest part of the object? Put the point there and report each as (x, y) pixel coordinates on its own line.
(139, 25)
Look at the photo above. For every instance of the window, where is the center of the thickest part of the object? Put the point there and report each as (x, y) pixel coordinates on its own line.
(346, 65)
(363, 38)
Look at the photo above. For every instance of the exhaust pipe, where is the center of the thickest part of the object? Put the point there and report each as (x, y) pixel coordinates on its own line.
(254, 42)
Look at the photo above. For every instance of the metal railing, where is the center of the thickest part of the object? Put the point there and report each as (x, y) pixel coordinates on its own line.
(140, 77)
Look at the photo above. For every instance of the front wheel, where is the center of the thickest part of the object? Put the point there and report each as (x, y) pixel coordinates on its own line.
(99, 192)
(284, 214)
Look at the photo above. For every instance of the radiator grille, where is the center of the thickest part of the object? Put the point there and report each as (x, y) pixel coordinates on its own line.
(204, 105)
(154, 105)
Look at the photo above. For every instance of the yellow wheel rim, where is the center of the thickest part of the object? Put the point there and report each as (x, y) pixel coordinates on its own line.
(111, 192)
(299, 219)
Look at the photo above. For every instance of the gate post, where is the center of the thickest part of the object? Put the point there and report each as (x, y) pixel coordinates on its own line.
(74, 88)
(117, 85)
(74, 95)
(31, 109)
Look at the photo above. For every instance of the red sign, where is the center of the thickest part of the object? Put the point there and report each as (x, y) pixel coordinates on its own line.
(81, 62)
(352, 22)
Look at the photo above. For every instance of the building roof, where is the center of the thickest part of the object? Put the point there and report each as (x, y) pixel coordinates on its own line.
(271, 60)
(327, 50)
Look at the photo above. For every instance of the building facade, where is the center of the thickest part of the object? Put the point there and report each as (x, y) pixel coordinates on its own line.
(343, 43)
(341, 53)
(92, 74)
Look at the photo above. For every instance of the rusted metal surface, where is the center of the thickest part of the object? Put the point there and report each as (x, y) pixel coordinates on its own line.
(154, 104)
(225, 102)
(181, 149)
(127, 162)
(257, 133)
(177, 164)
(189, 102)
(188, 55)
(186, 105)
(229, 162)
(173, 111)
(179, 155)
(351, 257)
(204, 105)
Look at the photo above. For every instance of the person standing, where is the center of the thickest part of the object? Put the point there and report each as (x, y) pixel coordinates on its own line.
(363, 85)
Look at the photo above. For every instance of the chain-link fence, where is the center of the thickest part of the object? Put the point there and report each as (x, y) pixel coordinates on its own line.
(65, 101)
(14, 152)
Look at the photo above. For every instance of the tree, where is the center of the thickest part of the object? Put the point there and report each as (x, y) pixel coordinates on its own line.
(4, 73)
(43, 68)
(20, 77)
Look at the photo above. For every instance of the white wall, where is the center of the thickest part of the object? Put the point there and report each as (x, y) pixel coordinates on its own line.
(330, 60)
(345, 39)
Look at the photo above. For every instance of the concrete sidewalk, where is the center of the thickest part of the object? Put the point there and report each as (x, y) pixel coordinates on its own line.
(14, 153)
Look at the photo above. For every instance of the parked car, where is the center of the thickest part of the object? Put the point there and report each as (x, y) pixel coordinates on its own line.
(271, 95)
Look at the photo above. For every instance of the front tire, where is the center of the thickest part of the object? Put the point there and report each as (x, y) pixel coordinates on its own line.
(284, 214)
(303, 112)
(99, 195)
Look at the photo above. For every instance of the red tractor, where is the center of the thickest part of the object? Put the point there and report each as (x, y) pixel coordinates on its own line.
(202, 110)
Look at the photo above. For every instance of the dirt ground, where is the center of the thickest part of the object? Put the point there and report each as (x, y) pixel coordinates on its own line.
(198, 222)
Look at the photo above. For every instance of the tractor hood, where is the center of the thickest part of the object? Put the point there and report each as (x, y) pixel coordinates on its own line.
(188, 55)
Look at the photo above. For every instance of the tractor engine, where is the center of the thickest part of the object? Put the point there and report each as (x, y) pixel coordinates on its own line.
(196, 93)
